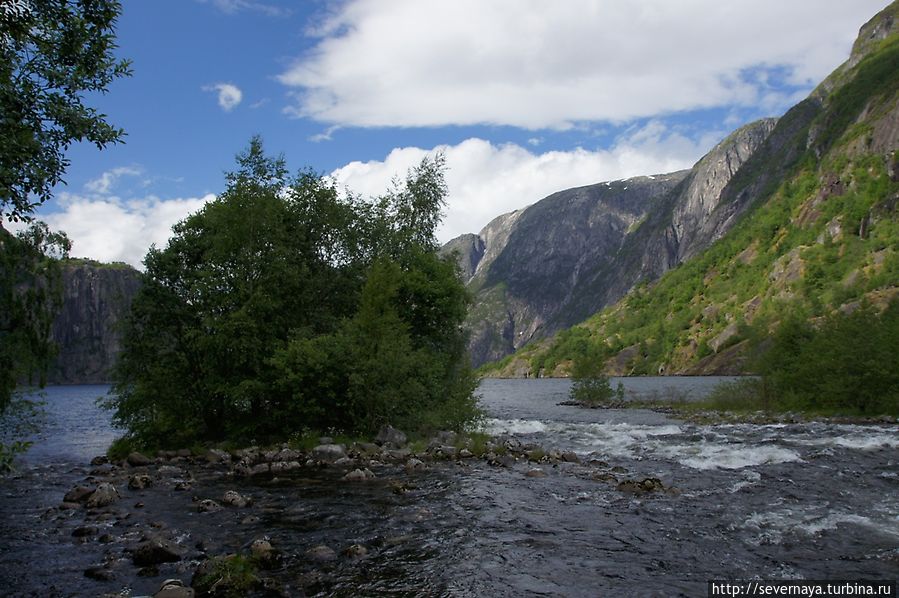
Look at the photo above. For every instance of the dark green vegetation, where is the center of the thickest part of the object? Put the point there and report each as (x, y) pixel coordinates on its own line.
(53, 51)
(281, 306)
(589, 385)
(822, 240)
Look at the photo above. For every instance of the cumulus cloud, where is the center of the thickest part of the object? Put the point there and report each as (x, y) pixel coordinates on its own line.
(229, 95)
(106, 181)
(486, 180)
(110, 229)
(537, 64)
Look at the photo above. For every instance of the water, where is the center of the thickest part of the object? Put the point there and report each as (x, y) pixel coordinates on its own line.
(776, 501)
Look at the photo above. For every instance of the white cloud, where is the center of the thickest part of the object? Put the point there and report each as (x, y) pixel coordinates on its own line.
(106, 181)
(110, 229)
(538, 64)
(486, 180)
(229, 95)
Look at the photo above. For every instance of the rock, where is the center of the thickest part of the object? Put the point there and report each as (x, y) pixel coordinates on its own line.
(249, 520)
(136, 459)
(208, 506)
(570, 457)
(155, 551)
(356, 551)
(260, 469)
(99, 460)
(642, 486)
(284, 466)
(344, 462)
(235, 499)
(169, 471)
(99, 573)
(368, 449)
(321, 554)
(399, 454)
(359, 475)
(183, 453)
(443, 438)
(390, 436)
(445, 452)
(77, 494)
(536, 473)
(415, 465)
(465, 454)
(217, 456)
(140, 481)
(328, 452)
(174, 588)
(84, 531)
(103, 496)
(288, 455)
(264, 553)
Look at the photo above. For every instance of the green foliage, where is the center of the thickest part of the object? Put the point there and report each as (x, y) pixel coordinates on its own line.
(30, 295)
(232, 576)
(53, 52)
(589, 384)
(281, 306)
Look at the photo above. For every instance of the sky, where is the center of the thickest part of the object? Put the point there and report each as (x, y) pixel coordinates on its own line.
(524, 98)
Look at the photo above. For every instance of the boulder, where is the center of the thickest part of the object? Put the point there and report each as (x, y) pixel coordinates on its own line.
(356, 551)
(103, 496)
(264, 554)
(390, 436)
(284, 466)
(328, 452)
(536, 473)
(359, 475)
(136, 459)
(235, 499)
(415, 465)
(570, 457)
(139, 481)
(77, 494)
(642, 486)
(208, 506)
(174, 588)
(154, 551)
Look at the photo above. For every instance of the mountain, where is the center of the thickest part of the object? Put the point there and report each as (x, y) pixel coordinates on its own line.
(546, 267)
(798, 214)
(87, 330)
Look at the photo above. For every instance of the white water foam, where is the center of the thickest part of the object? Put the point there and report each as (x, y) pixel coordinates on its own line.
(707, 455)
(496, 427)
(771, 527)
(857, 438)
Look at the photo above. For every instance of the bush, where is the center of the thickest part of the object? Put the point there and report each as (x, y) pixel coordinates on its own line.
(590, 385)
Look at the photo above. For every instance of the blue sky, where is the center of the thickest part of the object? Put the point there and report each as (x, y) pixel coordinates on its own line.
(525, 97)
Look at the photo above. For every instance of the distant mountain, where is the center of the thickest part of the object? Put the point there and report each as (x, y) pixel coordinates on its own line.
(794, 214)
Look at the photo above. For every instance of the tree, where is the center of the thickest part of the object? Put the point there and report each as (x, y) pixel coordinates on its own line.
(53, 51)
(281, 305)
(589, 385)
(30, 294)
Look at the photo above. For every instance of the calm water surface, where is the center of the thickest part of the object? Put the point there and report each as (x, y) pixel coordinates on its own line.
(777, 501)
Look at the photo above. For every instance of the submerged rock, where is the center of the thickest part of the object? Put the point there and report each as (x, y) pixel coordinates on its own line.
(536, 473)
(77, 494)
(174, 588)
(140, 481)
(321, 554)
(642, 486)
(154, 551)
(208, 506)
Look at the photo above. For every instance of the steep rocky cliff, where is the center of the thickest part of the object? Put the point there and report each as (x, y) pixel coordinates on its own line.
(554, 263)
(96, 298)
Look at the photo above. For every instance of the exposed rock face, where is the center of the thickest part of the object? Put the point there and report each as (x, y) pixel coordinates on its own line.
(87, 331)
(549, 266)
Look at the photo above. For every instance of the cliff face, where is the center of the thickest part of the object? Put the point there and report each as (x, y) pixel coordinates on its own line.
(87, 331)
(549, 266)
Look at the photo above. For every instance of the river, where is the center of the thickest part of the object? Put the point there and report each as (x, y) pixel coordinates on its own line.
(788, 501)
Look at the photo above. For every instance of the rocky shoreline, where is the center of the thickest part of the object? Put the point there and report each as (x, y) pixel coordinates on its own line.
(190, 521)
